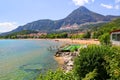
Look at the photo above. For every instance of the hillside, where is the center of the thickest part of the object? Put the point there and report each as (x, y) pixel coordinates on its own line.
(107, 28)
(77, 19)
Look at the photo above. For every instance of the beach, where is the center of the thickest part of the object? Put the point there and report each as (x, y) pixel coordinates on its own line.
(78, 41)
(67, 40)
(60, 61)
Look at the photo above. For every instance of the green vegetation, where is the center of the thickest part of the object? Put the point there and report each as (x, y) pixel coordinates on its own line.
(57, 75)
(94, 63)
(87, 35)
(105, 39)
(76, 36)
(103, 32)
(26, 34)
(14, 35)
(102, 61)
(90, 59)
(55, 35)
(107, 28)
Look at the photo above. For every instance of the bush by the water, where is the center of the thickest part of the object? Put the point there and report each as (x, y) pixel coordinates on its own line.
(57, 75)
(92, 58)
(94, 63)
(104, 61)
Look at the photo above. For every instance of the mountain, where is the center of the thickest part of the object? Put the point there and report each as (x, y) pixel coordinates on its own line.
(76, 19)
(83, 15)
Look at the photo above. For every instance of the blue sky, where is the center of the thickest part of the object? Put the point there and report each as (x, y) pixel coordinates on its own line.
(19, 12)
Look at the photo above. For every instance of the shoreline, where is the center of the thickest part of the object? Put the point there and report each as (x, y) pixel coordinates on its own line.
(65, 62)
(66, 40)
(60, 61)
(78, 41)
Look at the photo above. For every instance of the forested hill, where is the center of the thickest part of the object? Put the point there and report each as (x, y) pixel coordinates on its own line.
(107, 28)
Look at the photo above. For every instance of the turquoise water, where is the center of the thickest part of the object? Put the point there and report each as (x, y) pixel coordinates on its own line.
(25, 59)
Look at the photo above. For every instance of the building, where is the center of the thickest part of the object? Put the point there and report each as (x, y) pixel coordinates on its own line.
(115, 37)
(31, 35)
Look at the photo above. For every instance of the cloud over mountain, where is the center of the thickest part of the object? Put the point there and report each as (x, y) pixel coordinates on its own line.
(106, 6)
(7, 26)
(115, 5)
(110, 6)
(82, 2)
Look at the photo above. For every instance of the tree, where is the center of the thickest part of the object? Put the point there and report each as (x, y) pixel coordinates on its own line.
(90, 59)
(87, 34)
(105, 39)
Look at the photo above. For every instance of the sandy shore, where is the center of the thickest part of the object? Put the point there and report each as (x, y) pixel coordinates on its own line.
(69, 41)
(79, 41)
(60, 61)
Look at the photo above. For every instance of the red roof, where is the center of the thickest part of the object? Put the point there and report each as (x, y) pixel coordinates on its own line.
(115, 31)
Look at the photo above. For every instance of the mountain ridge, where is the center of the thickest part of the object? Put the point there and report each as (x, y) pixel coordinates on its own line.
(79, 16)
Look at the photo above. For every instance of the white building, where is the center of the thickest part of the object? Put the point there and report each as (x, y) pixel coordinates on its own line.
(115, 37)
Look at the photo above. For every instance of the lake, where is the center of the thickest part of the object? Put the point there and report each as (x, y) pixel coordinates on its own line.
(25, 59)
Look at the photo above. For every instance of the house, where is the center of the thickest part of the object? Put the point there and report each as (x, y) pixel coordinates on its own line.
(115, 37)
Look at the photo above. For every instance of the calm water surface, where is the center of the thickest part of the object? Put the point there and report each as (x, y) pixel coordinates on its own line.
(25, 59)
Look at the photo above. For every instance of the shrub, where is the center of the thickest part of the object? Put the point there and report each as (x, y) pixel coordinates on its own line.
(114, 64)
(87, 35)
(57, 75)
(92, 58)
(90, 75)
(105, 39)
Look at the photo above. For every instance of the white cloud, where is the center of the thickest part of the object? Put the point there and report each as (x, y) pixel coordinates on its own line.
(117, 1)
(7, 26)
(82, 2)
(110, 6)
(117, 7)
(106, 6)
(93, 0)
(117, 4)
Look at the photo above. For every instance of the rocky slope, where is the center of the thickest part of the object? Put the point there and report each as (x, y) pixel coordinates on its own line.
(73, 21)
